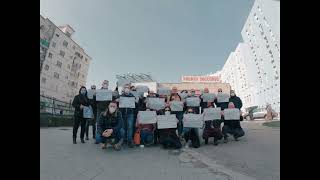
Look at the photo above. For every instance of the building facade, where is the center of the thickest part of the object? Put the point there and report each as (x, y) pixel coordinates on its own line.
(253, 69)
(65, 65)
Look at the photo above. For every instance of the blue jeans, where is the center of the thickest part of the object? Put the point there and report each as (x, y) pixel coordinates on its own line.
(117, 135)
(179, 115)
(128, 120)
(146, 137)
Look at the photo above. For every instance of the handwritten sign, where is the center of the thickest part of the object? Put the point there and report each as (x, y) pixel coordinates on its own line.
(164, 91)
(137, 95)
(183, 95)
(208, 97)
(103, 95)
(176, 106)
(193, 101)
(211, 114)
(87, 112)
(166, 121)
(147, 117)
(231, 114)
(223, 98)
(122, 82)
(127, 102)
(90, 93)
(193, 120)
(156, 103)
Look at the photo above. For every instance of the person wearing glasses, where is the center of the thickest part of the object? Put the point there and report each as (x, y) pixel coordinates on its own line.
(222, 105)
(110, 126)
(93, 121)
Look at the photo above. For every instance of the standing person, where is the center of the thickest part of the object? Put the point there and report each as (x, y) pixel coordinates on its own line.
(192, 93)
(102, 105)
(232, 127)
(93, 121)
(203, 105)
(110, 125)
(79, 102)
(235, 99)
(128, 117)
(179, 114)
(222, 105)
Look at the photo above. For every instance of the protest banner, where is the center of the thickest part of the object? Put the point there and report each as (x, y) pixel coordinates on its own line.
(211, 114)
(164, 91)
(147, 117)
(223, 98)
(193, 101)
(166, 121)
(231, 114)
(87, 112)
(156, 103)
(104, 95)
(176, 106)
(193, 120)
(141, 88)
(127, 102)
(208, 97)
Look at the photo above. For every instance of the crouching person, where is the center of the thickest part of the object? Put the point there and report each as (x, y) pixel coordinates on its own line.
(146, 132)
(110, 126)
(191, 134)
(232, 127)
(212, 129)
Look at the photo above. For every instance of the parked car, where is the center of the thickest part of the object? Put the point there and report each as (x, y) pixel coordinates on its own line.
(257, 113)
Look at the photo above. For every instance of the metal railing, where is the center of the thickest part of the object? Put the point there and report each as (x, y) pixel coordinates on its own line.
(49, 105)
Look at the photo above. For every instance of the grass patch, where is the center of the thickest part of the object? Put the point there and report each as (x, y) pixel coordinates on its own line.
(272, 124)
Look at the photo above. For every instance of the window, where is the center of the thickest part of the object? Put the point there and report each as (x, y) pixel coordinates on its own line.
(59, 64)
(50, 55)
(74, 47)
(43, 80)
(267, 46)
(86, 59)
(57, 35)
(46, 67)
(68, 66)
(53, 44)
(66, 77)
(56, 75)
(65, 43)
(62, 53)
(82, 76)
(41, 27)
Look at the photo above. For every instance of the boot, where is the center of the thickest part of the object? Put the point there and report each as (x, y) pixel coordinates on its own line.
(82, 141)
(225, 139)
(215, 142)
(87, 138)
(74, 141)
(117, 146)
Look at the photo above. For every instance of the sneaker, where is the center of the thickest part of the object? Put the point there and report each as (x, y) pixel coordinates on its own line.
(225, 140)
(141, 146)
(130, 145)
(87, 138)
(188, 145)
(103, 146)
(236, 138)
(74, 141)
(82, 141)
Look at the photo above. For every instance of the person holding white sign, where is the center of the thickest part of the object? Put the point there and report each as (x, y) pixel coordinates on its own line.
(232, 127)
(175, 97)
(128, 117)
(221, 105)
(191, 134)
(94, 119)
(212, 127)
(79, 102)
(110, 125)
(204, 103)
(146, 131)
(192, 94)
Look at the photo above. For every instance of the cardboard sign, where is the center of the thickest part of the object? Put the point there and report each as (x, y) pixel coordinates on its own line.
(223, 98)
(147, 117)
(193, 120)
(166, 121)
(183, 95)
(87, 112)
(211, 114)
(90, 93)
(193, 101)
(142, 89)
(122, 82)
(231, 114)
(164, 91)
(103, 95)
(208, 97)
(137, 95)
(156, 103)
(127, 102)
(176, 106)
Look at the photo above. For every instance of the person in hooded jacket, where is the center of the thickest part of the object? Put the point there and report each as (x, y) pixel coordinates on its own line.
(235, 99)
(94, 120)
(79, 102)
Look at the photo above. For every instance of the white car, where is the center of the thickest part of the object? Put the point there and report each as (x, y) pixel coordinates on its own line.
(259, 113)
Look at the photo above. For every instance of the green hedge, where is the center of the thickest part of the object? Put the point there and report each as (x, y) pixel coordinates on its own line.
(48, 120)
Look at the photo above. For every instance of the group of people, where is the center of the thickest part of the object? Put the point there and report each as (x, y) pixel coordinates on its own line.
(118, 126)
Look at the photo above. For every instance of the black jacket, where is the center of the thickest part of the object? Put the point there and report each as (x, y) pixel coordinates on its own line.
(110, 121)
(127, 110)
(222, 105)
(236, 101)
(80, 100)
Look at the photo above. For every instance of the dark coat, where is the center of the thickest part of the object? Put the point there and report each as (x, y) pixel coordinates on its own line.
(80, 100)
(236, 101)
(110, 121)
(127, 110)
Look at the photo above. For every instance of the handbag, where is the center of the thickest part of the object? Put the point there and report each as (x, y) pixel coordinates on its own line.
(136, 137)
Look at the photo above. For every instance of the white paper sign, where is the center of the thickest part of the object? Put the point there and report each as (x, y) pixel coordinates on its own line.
(166, 121)
(208, 97)
(103, 95)
(211, 114)
(193, 101)
(156, 103)
(127, 102)
(193, 120)
(147, 117)
(231, 114)
(183, 95)
(137, 95)
(142, 89)
(223, 97)
(164, 91)
(122, 82)
(90, 93)
(176, 106)
(87, 112)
